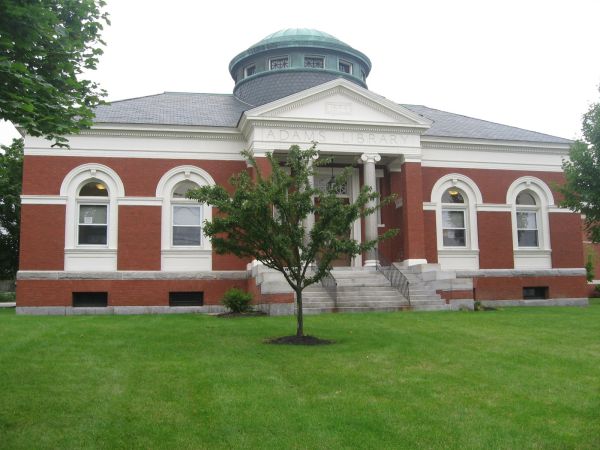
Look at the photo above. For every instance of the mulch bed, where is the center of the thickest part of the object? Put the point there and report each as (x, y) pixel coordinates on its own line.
(299, 340)
(230, 315)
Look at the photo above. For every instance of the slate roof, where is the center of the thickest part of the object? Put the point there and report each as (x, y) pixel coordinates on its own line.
(225, 110)
(446, 124)
(175, 108)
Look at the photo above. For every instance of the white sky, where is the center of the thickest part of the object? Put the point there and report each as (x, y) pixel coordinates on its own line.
(528, 63)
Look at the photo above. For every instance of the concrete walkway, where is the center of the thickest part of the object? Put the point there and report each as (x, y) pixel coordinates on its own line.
(8, 304)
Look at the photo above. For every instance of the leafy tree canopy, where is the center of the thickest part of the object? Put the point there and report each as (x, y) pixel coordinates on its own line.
(265, 219)
(45, 45)
(11, 171)
(581, 190)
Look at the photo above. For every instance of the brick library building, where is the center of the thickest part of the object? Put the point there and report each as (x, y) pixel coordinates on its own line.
(107, 228)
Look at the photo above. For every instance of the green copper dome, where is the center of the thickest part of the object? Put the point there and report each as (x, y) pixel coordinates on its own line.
(299, 34)
(294, 59)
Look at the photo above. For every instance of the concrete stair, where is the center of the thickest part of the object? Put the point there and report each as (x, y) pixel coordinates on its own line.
(358, 290)
(423, 296)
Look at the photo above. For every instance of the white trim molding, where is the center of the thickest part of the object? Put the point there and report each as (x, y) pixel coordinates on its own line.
(175, 258)
(91, 257)
(466, 257)
(539, 257)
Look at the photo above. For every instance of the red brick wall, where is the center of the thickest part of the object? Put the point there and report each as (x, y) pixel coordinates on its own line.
(495, 240)
(430, 237)
(412, 211)
(511, 288)
(45, 174)
(139, 238)
(134, 292)
(120, 293)
(42, 237)
(493, 184)
(566, 240)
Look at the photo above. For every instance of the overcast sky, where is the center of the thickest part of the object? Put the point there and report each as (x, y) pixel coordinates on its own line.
(531, 64)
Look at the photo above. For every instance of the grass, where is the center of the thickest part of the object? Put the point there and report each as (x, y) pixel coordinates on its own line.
(514, 378)
(7, 297)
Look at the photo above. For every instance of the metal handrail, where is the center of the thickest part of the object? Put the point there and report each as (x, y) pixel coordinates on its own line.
(396, 278)
(330, 285)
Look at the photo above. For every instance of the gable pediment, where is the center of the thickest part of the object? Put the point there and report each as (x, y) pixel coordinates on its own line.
(339, 101)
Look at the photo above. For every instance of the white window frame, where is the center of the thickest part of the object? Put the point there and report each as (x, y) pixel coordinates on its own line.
(453, 257)
(91, 257)
(179, 257)
(93, 201)
(456, 207)
(186, 203)
(539, 257)
(535, 209)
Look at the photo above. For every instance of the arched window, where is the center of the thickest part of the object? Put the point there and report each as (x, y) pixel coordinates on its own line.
(91, 221)
(454, 218)
(455, 198)
(92, 203)
(530, 199)
(186, 216)
(527, 215)
(183, 244)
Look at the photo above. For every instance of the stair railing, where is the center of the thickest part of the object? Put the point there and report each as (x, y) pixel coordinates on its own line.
(330, 285)
(396, 278)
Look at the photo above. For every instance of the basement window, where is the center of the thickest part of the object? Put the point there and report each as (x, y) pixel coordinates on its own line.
(186, 298)
(90, 299)
(535, 293)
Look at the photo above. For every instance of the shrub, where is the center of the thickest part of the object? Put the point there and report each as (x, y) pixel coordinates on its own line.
(237, 301)
(589, 267)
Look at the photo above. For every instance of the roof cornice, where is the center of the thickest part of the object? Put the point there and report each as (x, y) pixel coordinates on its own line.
(164, 131)
(439, 142)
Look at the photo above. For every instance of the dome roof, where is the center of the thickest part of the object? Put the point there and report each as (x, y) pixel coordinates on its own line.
(299, 37)
(295, 34)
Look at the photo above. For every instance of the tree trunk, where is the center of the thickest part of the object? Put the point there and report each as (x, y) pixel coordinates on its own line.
(299, 314)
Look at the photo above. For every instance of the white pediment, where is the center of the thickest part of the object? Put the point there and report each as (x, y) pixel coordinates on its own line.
(339, 101)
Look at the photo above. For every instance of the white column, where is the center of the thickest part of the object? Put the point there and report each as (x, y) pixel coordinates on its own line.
(369, 160)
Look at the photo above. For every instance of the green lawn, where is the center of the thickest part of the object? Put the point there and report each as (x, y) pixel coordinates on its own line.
(515, 378)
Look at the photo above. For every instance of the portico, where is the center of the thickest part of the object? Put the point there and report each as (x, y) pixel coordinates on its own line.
(354, 128)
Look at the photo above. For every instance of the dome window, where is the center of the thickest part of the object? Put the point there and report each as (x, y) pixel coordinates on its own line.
(345, 66)
(249, 70)
(314, 62)
(279, 63)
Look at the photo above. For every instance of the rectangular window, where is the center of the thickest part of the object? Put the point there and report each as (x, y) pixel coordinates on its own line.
(535, 293)
(90, 299)
(315, 62)
(527, 230)
(93, 224)
(345, 66)
(279, 63)
(186, 298)
(249, 71)
(187, 225)
(453, 228)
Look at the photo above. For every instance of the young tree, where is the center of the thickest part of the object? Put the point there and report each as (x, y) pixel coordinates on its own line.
(11, 171)
(265, 219)
(581, 190)
(45, 45)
